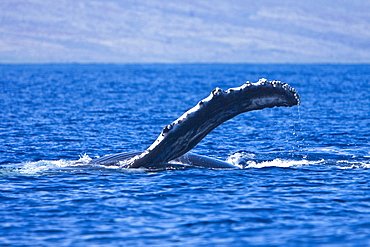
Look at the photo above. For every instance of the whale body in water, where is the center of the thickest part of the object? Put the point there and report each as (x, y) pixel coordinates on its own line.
(171, 149)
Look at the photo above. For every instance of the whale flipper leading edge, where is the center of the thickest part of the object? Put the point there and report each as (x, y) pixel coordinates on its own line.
(187, 131)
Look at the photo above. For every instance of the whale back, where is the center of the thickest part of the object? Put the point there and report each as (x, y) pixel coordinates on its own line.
(188, 159)
(187, 131)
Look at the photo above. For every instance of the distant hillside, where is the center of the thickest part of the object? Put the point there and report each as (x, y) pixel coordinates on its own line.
(132, 31)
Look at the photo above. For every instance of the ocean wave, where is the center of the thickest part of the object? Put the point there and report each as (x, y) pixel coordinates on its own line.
(247, 160)
(240, 160)
(43, 167)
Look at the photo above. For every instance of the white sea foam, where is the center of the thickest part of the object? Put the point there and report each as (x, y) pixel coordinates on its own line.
(345, 164)
(41, 167)
(246, 160)
(37, 167)
(281, 163)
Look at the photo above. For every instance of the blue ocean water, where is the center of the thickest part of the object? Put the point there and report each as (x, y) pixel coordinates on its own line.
(306, 180)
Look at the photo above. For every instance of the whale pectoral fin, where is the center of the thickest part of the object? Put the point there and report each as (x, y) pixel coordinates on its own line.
(187, 131)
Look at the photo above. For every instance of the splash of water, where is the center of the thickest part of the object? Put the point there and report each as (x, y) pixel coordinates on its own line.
(247, 160)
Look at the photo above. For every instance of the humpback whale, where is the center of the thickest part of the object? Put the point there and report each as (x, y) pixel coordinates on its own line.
(171, 149)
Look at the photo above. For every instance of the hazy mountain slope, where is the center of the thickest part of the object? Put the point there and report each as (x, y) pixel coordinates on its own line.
(184, 31)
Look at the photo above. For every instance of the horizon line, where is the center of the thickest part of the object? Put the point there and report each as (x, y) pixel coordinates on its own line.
(182, 63)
